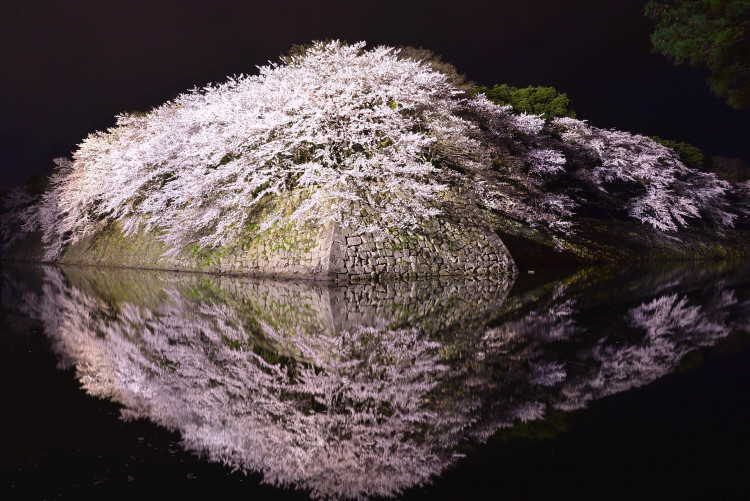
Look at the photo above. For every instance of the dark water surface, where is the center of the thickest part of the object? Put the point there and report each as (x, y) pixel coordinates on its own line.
(595, 383)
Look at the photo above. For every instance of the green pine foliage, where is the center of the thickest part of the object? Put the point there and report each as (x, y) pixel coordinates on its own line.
(711, 34)
(689, 154)
(545, 101)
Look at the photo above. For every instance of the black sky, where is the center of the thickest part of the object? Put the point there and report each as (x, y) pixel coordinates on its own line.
(67, 67)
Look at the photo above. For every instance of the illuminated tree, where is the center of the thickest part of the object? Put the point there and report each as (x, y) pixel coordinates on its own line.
(350, 131)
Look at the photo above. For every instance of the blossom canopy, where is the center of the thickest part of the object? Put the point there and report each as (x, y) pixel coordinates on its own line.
(341, 125)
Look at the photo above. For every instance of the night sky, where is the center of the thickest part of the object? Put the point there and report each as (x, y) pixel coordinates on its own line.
(68, 67)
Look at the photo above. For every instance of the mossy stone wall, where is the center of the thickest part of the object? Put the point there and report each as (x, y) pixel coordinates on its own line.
(458, 242)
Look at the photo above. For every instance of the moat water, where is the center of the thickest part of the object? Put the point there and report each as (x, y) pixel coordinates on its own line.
(590, 383)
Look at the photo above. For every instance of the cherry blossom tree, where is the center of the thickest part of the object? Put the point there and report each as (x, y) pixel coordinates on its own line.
(351, 130)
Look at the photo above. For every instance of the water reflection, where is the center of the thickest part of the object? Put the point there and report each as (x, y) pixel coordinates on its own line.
(365, 390)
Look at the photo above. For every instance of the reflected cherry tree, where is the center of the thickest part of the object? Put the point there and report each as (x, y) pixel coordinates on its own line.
(363, 390)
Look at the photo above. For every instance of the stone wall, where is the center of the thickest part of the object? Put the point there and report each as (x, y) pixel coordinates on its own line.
(285, 251)
(439, 249)
(458, 242)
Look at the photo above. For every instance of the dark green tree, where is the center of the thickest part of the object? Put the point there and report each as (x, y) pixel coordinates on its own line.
(545, 101)
(708, 33)
(689, 154)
